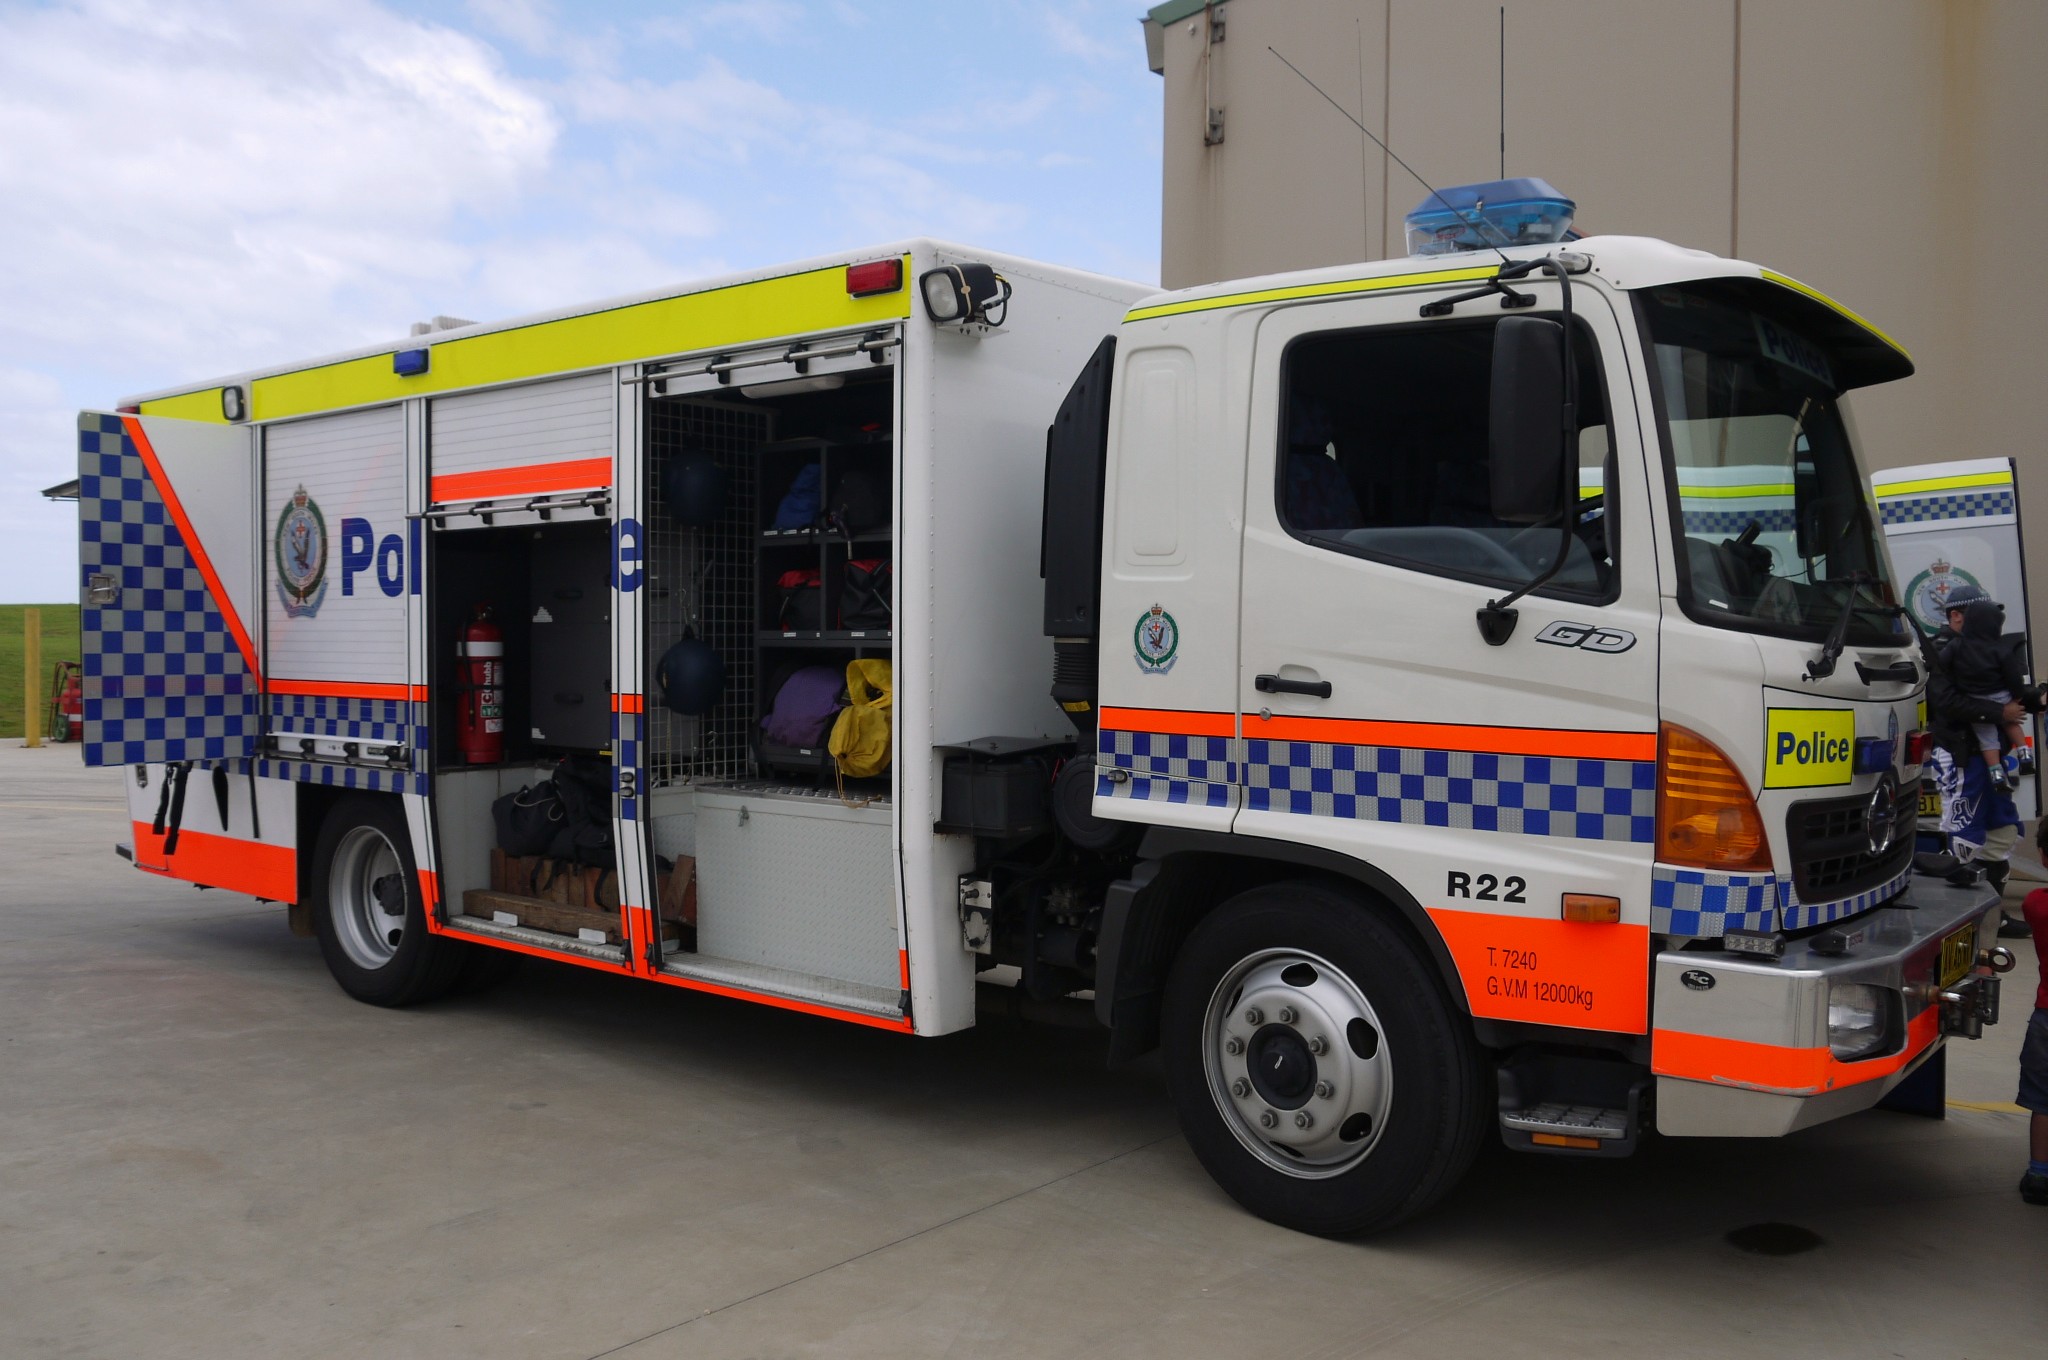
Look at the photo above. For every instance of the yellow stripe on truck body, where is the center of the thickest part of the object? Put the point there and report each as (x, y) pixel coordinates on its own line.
(740, 314)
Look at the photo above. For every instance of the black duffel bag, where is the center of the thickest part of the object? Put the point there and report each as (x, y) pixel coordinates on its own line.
(867, 596)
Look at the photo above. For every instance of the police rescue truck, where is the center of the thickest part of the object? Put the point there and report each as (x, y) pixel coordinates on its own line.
(1354, 683)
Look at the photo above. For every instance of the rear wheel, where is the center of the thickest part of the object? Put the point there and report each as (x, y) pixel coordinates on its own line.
(367, 910)
(1321, 1073)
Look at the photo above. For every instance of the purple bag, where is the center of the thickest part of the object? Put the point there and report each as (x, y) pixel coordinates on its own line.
(805, 707)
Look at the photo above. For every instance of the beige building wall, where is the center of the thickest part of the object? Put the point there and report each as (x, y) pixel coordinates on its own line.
(1893, 153)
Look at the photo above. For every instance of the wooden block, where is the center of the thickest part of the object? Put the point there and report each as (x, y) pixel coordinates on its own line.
(678, 892)
(540, 914)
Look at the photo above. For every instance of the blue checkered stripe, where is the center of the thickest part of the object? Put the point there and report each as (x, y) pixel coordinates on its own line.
(1960, 505)
(627, 737)
(1735, 521)
(390, 722)
(1705, 903)
(1799, 915)
(343, 776)
(384, 722)
(163, 679)
(1601, 800)
(1166, 767)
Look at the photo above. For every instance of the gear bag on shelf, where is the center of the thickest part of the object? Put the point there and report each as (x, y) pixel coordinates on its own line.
(860, 736)
(866, 594)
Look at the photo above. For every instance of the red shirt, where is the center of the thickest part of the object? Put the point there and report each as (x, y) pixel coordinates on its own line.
(2036, 909)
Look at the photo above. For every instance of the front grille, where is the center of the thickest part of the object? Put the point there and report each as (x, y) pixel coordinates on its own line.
(1830, 852)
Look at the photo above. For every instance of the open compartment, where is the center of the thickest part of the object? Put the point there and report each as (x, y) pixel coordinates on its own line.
(544, 587)
(763, 573)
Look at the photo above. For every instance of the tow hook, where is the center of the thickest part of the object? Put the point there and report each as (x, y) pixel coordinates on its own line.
(1998, 959)
(1969, 1006)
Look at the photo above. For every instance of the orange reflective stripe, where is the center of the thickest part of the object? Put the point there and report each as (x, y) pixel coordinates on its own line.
(629, 703)
(346, 689)
(1550, 972)
(176, 508)
(535, 479)
(430, 888)
(901, 1024)
(251, 867)
(1180, 722)
(1778, 1070)
(1507, 741)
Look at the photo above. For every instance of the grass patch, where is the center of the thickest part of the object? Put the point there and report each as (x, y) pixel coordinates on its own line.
(60, 643)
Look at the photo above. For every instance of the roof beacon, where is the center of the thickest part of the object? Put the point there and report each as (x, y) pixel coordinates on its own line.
(1503, 212)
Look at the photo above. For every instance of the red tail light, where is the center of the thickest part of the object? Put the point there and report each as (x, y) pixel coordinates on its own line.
(876, 276)
(1917, 742)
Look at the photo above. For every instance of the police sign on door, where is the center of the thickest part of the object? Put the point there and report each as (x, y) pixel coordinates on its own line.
(1809, 747)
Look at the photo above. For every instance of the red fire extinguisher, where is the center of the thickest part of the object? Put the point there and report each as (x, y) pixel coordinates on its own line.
(480, 679)
(70, 704)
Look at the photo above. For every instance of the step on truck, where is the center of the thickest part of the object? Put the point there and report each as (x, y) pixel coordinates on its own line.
(1352, 683)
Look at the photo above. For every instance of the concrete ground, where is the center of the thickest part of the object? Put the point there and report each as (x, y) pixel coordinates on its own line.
(206, 1150)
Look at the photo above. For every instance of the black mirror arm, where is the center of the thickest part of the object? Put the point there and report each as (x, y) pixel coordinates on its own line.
(1497, 618)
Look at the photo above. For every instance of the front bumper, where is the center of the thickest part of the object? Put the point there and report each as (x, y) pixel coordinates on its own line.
(1739, 1044)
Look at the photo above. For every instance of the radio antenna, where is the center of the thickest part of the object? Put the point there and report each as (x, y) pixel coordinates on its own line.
(1503, 91)
(1477, 222)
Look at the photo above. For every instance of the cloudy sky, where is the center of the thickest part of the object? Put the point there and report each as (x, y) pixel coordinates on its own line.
(193, 187)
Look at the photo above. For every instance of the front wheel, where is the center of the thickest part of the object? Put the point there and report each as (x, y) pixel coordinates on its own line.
(367, 910)
(1321, 1074)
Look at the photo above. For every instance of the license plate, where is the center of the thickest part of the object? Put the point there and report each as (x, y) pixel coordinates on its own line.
(1930, 804)
(1958, 953)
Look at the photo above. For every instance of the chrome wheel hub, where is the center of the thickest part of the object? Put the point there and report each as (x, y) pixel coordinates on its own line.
(1297, 1063)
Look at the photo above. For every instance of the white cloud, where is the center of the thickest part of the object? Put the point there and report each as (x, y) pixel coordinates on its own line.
(203, 174)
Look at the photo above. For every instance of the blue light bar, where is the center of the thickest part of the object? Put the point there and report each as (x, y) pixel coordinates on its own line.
(409, 363)
(1502, 212)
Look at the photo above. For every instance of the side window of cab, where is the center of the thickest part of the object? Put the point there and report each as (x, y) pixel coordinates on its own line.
(1383, 454)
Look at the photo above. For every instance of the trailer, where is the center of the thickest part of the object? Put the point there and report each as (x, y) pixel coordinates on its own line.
(1282, 691)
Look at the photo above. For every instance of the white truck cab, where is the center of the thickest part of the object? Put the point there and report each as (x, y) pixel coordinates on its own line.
(1477, 702)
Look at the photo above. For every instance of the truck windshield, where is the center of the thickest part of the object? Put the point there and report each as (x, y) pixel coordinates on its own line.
(1777, 528)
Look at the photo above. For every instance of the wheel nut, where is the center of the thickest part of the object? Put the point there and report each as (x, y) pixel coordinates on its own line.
(1304, 1119)
(1240, 1088)
(1267, 1119)
(1233, 1045)
(1318, 1045)
(1285, 1015)
(1324, 1090)
(1254, 1016)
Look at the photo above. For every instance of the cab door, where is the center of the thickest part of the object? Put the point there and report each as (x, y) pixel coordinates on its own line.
(1377, 721)
(167, 574)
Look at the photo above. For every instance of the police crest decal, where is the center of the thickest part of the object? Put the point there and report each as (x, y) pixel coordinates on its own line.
(1158, 640)
(300, 545)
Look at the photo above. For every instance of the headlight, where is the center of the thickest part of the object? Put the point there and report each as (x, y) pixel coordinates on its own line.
(1859, 1020)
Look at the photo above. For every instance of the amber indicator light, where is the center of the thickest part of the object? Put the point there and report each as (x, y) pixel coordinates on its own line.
(1591, 909)
(1706, 816)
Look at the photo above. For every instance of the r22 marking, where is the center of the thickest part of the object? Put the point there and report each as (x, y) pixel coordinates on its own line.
(1485, 887)
(1586, 637)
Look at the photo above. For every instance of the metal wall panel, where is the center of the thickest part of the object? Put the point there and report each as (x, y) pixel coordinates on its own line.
(807, 885)
(566, 425)
(338, 568)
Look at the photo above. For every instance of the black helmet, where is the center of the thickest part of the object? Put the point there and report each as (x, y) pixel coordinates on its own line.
(693, 488)
(692, 677)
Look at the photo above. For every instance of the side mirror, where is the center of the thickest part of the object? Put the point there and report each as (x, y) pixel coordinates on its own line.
(1525, 420)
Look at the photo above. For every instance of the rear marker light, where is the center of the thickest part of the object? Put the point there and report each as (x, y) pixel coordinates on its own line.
(876, 276)
(1916, 746)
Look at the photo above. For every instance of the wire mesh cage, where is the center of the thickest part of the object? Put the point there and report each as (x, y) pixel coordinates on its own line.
(702, 580)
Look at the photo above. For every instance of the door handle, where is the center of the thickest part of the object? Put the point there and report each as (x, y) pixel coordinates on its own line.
(102, 589)
(1273, 684)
